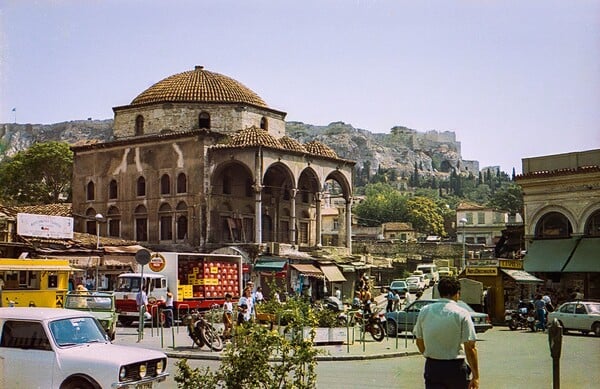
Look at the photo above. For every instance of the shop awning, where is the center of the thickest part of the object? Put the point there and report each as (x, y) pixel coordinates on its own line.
(308, 270)
(548, 255)
(586, 257)
(333, 274)
(270, 265)
(37, 268)
(521, 276)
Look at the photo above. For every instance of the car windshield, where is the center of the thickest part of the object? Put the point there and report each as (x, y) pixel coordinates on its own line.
(89, 302)
(412, 280)
(129, 284)
(76, 330)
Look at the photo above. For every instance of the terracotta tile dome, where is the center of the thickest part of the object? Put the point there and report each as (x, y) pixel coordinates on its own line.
(291, 144)
(319, 148)
(254, 136)
(198, 85)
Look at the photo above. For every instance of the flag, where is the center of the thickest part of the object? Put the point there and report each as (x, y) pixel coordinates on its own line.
(14, 109)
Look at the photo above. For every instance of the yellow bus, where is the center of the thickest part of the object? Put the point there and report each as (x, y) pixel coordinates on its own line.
(34, 282)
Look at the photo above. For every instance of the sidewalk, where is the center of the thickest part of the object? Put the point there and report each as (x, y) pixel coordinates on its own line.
(176, 343)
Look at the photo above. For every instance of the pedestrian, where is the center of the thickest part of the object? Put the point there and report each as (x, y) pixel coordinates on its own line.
(390, 300)
(259, 298)
(245, 306)
(357, 299)
(396, 307)
(445, 335)
(540, 311)
(169, 309)
(227, 316)
(366, 300)
(407, 299)
(338, 293)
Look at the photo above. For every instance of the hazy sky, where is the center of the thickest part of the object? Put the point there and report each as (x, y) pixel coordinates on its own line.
(513, 79)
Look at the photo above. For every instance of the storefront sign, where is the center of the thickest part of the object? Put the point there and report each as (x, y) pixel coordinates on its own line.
(43, 226)
(511, 264)
(483, 262)
(481, 271)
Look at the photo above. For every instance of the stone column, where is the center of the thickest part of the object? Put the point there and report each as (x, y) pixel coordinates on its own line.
(349, 224)
(293, 193)
(258, 213)
(318, 198)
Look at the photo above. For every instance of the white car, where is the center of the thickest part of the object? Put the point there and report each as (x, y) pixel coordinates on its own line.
(68, 349)
(414, 284)
(581, 316)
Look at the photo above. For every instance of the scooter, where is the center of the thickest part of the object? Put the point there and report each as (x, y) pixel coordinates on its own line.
(202, 332)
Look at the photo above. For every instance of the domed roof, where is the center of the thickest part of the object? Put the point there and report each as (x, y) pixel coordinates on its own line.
(254, 136)
(199, 85)
(319, 148)
(292, 144)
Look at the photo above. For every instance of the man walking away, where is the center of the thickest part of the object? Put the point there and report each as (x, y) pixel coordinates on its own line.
(441, 329)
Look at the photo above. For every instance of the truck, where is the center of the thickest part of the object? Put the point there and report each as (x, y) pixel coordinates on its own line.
(430, 272)
(471, 292)
(197, 282)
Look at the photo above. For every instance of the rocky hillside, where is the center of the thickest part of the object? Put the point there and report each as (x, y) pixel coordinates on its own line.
(433, 152)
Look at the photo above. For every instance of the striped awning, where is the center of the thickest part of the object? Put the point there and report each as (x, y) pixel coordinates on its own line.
(308, 270)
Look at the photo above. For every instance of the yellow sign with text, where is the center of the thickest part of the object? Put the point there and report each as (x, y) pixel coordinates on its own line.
(481, 271)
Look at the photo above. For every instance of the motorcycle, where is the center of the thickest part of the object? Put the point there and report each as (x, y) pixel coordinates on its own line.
(516, 318)
(372, 321)
(202, 332)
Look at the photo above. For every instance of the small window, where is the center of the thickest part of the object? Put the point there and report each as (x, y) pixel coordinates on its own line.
(204, 120)
(90, 195)
(264, 124)
(141, 187)
(480, 217)
(165, 184)
(91, 222)
(112, 189)
(181, 183)
(141, 223)
(182, 227)
(139, 125)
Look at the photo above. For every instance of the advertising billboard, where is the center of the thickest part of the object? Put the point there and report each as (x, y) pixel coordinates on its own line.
(44, 226)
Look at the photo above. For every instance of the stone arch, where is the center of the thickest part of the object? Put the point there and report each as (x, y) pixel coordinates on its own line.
(591, 221)
(541, 213)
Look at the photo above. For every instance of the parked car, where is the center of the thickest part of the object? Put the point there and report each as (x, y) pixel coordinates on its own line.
(399, 286)
(100, 304)
(405, 319)
(414, 285)
(581, 316)
(63, 348)
(445, 272)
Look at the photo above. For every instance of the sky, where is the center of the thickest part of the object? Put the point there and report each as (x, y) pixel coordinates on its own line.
(512, 78)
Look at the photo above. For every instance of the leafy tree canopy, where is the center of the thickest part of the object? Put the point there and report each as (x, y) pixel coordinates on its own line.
(508, 197)
(382, 204)
(426, 215)
(39, 175)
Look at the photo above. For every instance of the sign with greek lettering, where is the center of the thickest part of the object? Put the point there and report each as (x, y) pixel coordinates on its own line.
(511, 264)
(481, 271)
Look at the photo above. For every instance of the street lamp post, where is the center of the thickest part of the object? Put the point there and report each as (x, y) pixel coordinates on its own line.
(463, 221)
(99, 218)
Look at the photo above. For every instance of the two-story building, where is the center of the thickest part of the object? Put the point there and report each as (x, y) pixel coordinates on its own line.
(561, 195)
(477, 224)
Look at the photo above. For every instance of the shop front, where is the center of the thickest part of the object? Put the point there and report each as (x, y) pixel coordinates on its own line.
(307, 280)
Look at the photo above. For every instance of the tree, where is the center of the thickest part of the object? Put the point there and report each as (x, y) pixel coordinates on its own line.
(38, 175)
(425, 215)
(382, 204)
(508, 197)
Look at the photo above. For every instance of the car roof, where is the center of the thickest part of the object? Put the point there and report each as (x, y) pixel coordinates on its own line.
(40, 314)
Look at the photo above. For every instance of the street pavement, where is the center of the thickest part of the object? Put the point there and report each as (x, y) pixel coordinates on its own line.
(176, 343)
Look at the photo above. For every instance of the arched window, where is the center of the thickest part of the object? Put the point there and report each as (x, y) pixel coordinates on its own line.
(181, 183)
(90, 189)
(165, 184)
(249, 187)
(264, 124)
(90, 222)
(114, 222)
(141, 223)
(204, 120)
(112, 189)
(165, 217)
(592, 226)
(139, 125)
(141, 186)
(182, 221)
(553, 225)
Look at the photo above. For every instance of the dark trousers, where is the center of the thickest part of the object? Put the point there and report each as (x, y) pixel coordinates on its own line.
(446, 374)
(390, 305)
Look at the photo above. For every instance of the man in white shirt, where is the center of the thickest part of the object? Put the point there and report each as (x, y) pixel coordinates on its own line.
(442, 329)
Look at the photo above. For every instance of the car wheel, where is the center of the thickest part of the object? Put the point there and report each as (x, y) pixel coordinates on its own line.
(392, 328)
(596, 329)
(79, 383)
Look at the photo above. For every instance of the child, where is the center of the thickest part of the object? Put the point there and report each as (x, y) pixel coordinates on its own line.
(227, 316)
